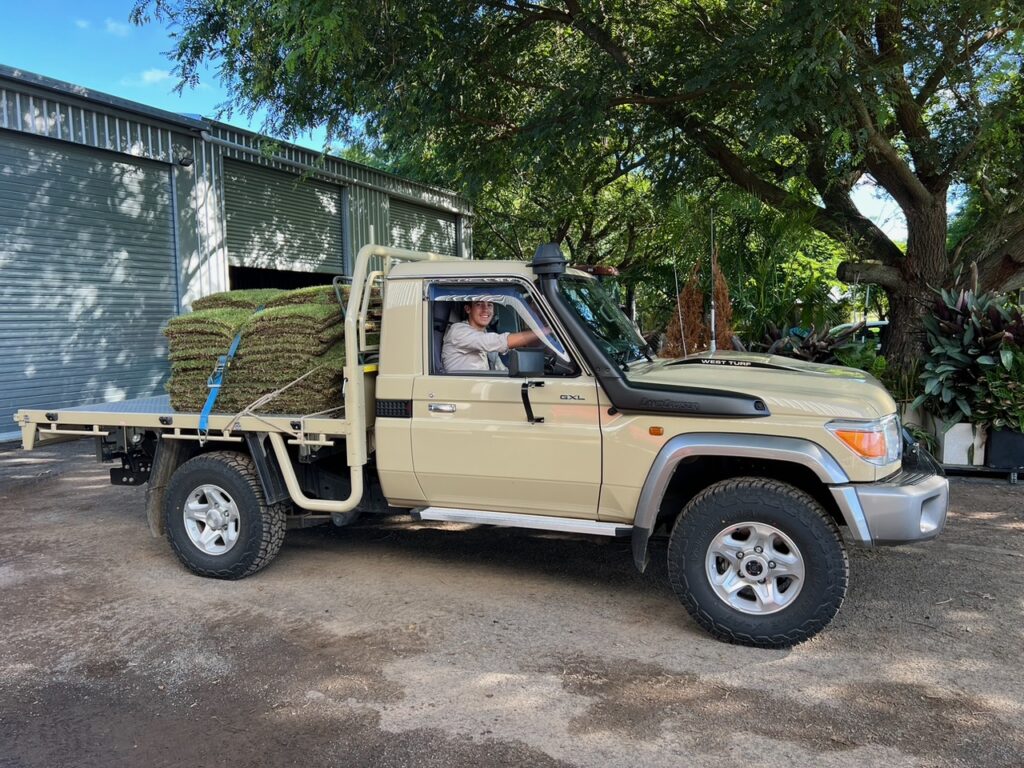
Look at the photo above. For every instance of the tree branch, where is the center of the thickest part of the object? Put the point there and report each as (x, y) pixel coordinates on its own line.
(870, 272)
(888, 167)
(640, 98)
(951, 60)
(889, 34)
(836, 196)
(842, 225)
(598, 35)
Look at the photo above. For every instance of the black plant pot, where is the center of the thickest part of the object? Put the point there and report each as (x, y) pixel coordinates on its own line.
(1004, 449)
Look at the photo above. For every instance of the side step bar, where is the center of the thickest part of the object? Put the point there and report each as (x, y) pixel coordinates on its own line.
(513, 520)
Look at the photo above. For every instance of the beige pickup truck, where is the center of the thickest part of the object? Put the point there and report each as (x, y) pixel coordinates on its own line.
(757, 469)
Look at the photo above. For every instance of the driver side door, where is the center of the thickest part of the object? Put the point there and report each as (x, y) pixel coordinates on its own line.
(474, 447)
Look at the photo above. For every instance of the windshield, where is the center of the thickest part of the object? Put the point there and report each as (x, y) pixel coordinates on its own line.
(607, 324)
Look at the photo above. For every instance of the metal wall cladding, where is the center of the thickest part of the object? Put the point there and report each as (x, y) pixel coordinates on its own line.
(280, 220)
(29, 110)
(422, 229)
(251, 147)
(368, 214)
(88, 275)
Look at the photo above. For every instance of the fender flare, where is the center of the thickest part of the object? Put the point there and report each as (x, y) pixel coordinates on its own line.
(789, 449)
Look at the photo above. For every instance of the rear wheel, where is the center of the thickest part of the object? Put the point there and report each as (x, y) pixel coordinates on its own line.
(758, 562)
(217, 519)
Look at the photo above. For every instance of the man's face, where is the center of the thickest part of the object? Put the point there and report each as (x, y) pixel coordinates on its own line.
(480, 313)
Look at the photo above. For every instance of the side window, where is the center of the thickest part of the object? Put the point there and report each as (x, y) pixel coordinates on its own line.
(474, 328)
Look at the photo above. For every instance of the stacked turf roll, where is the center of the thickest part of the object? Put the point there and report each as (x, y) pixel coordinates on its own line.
(285, 336)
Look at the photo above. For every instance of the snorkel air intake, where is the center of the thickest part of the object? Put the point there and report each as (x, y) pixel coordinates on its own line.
(548, 262)
(549, 265)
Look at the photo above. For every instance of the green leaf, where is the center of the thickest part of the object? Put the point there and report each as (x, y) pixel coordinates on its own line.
(964, 406)
(1006, 356)
(987, 360)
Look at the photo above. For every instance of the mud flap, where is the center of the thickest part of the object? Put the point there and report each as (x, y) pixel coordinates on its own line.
(168, 457)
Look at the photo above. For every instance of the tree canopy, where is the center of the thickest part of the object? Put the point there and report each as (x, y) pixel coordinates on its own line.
(794, 102)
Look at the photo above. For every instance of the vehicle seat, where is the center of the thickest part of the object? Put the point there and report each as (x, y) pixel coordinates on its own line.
(444, 313)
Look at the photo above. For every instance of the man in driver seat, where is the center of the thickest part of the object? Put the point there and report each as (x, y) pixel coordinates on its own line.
(467, 344)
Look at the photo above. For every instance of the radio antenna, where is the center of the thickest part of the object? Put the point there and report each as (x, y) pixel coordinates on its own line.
(679, 310)
(714, 275)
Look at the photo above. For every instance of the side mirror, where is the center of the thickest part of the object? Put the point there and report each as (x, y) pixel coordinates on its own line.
(524, 363)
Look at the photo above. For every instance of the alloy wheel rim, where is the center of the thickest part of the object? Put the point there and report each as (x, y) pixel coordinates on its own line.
(755, 568)
(211, 519)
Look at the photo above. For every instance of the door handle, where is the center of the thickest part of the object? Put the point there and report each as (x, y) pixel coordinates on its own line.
(441, 407)
(527, 386)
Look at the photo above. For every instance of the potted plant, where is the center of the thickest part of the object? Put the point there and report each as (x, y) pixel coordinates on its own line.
(968, 335)
(1000, 406)
(905, 385)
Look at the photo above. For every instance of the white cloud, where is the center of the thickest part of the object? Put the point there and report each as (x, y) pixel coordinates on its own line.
(82, 23)
(154, 76)
(147, 78)
(117, 28)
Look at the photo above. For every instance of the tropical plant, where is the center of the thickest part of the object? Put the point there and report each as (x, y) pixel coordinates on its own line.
(999, 396)
(904, 384)
(926, 438)
(969, 334)
(811, 345)
(863, 355)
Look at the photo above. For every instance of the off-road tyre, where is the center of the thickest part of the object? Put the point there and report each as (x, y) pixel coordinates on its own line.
(261, 526)
(787, 509)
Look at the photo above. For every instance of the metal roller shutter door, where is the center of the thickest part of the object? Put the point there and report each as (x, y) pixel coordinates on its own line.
(87, 275)
(279, 220)
(422, 229)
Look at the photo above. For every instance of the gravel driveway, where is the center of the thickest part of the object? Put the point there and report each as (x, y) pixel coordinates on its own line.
(395, 644)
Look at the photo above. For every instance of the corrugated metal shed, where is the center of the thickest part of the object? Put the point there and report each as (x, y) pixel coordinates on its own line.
(168, 172)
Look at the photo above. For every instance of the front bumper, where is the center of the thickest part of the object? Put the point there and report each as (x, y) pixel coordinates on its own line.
(908, 507)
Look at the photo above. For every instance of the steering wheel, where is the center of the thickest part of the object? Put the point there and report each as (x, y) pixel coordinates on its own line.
(555, 366)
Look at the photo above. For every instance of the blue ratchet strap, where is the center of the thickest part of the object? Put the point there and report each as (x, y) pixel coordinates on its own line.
(216, 379)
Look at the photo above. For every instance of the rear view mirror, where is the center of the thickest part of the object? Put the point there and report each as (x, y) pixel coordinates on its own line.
(524, 363)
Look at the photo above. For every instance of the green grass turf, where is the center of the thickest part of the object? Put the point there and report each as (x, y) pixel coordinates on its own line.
(247, 299)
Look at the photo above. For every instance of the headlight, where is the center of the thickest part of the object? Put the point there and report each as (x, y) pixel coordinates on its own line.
(878, 442)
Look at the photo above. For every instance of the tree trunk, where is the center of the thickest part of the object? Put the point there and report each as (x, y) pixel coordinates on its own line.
(925, 267)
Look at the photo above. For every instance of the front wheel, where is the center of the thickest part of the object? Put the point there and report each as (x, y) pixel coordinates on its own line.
(218, 521)
(758, 562)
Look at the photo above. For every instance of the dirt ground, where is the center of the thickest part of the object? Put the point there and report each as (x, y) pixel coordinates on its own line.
(399, 644)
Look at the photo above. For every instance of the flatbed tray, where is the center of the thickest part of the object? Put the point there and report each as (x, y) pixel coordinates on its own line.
(100, 419)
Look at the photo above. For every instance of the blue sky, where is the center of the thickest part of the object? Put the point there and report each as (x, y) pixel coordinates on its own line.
(94, 45)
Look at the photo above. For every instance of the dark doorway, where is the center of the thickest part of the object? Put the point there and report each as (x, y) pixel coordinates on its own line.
(242, 278)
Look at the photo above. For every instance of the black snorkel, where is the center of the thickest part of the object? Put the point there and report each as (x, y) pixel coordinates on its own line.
(549, 265)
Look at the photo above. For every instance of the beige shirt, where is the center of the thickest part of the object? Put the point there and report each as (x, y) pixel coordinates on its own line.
(465, 348)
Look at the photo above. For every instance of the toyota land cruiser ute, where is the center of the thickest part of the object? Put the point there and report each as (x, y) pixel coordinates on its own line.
(758, 469)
